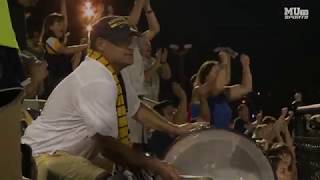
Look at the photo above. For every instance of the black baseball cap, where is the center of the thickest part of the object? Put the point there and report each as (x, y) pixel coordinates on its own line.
(115, 29)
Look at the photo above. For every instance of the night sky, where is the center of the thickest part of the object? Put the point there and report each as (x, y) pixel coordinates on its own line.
(285, 53)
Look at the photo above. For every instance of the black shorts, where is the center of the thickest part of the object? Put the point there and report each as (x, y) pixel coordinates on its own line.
(11, 75)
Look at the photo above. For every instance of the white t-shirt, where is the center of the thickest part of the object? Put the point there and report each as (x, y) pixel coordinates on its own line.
(83, 104)
(136, 71)
(152, 87)
(136, 76)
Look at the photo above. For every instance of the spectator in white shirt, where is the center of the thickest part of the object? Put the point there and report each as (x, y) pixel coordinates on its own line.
(142, 52)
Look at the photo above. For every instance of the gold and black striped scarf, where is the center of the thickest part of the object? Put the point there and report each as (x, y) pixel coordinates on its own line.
(123, 131)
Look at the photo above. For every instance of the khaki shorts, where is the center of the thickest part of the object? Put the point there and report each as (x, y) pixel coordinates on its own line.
(61, 165)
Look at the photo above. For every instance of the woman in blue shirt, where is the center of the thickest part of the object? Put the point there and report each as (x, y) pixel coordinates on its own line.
(212, 80)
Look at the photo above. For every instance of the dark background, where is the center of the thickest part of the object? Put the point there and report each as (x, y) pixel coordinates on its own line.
(285, 53)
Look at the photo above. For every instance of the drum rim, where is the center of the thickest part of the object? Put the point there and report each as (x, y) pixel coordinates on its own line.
(179, 138)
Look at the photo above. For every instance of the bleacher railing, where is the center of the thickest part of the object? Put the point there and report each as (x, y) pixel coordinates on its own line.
(307, 147)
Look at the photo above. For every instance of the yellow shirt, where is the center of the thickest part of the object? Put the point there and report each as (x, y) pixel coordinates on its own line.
(7, 35)
(52, 45)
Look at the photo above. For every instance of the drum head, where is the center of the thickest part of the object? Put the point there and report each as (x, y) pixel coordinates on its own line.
(220, 154)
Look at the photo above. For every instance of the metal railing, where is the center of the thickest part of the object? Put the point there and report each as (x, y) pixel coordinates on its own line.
(307, 147)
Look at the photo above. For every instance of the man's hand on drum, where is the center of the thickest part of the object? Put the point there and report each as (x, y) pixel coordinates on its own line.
(191, 127)
(165, 170)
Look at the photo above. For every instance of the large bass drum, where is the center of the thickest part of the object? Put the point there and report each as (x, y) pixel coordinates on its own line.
(221, 155)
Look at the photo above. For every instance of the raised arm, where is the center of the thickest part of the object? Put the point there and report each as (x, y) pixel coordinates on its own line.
(165, 70)
(225, 56)
(181, 115)
(201, 93)
(135, 13)
(154, 26)
(63, 9)
(225, 59)
(278, 125)
(288, 140)
(225, 68)
(216, 79)
(236, 92)
(153, 70)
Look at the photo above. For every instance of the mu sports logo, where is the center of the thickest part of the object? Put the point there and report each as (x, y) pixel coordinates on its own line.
(296, 13)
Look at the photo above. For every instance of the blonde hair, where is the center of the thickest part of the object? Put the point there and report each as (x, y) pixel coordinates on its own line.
(204, 71)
